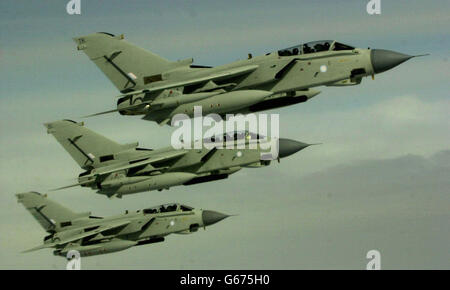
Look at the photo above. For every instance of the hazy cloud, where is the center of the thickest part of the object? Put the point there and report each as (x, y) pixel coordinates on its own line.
(380, 180)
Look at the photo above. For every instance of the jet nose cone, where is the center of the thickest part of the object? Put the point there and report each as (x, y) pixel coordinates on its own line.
(383, 60)
(288, 147)
(210, 217)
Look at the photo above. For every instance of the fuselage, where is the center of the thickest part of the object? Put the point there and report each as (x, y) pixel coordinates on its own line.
(276, 79)
(304, 74)
(193, 166)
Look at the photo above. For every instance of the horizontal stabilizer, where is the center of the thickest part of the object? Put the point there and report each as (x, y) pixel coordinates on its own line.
(89, 233)
(163, 157)
(225, 74)
(101, 113)
(142, 104)
(44, 246)
(72, 185)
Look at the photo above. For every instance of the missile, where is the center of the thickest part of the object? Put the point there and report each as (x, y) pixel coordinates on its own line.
(223, 103)
(170, 102)
(283, 99)
(117, 182)
(161, 181)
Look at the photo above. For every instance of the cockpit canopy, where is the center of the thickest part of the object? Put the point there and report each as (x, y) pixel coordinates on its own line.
(233, 136)
(314, 46)
(167, 208)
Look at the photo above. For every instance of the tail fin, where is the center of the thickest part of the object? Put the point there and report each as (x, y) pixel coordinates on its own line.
(48, 213)
(125, 64)
(86, 147)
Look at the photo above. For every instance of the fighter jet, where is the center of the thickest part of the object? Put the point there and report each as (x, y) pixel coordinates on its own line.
(93, 235)
(159, 89)
(114, 169)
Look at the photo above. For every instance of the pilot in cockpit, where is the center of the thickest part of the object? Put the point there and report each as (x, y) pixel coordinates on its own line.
(306, 48)
(322, 47)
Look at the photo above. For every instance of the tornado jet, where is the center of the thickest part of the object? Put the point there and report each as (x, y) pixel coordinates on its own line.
(93, 235)
(115, 169)
(159, 89)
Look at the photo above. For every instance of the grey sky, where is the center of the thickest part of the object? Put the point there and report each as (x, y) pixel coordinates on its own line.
(379, 181)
